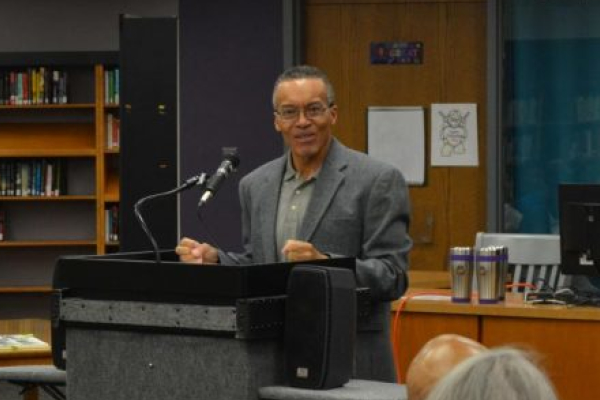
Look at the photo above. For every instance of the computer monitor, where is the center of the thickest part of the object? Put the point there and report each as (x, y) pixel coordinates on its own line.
(579, 217)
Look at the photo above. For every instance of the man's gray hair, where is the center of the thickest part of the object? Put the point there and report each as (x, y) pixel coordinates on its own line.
(305, 72)
(498, 374)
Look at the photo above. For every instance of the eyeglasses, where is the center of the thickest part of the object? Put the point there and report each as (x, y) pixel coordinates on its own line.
(311, 111)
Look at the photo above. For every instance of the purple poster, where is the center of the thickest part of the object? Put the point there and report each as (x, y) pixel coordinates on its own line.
(397, 53)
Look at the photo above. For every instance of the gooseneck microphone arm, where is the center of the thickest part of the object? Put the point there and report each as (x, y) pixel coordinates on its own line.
(199, 180)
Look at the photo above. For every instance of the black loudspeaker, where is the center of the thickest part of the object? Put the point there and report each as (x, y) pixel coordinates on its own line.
(320, 327)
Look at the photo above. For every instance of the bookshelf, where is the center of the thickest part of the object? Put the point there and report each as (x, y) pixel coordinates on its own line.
(69, 140)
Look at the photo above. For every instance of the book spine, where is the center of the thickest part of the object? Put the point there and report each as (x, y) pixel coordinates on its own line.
(37, 180)
(117, 132)
(114, 222)
(47, 85)
(107, 227)
(32, 177)
(65, 87)
(2, 178)
(39, 98)
(25, 187)
(2, 225)
(49, 176)
(109, 131)
(19, 88)
(27, 86)
(13, 87)
(18, 166)
(2, 74)
(11, 180)
(111, 85)
(106, 72)
(55, 80)
(117, 86)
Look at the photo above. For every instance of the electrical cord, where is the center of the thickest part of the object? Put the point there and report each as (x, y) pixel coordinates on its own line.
(402, 304)
(396, 325)
(575, 297)
(191, 182)
(521, 285)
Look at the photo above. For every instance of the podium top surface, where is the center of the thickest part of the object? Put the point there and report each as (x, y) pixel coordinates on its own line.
(137, 276)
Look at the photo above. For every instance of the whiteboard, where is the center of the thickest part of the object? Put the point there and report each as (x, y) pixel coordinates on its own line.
(396, 135)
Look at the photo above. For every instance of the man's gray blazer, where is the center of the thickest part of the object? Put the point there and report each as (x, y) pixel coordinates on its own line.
(359, 208)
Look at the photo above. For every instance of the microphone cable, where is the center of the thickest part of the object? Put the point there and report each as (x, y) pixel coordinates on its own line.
(196, 180)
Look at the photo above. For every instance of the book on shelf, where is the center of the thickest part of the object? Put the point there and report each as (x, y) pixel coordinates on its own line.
(111, 216)
(113, 131)
(33, 86)
(55, 83)
(18, 175)
(111, 86)
(2, 225)
(33, 177)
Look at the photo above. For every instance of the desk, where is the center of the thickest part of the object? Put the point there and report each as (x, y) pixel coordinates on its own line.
(33, 356)
(30, 356)
(37, 356)
(567, 339)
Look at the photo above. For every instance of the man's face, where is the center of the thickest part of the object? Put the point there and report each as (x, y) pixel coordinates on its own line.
(303, 117)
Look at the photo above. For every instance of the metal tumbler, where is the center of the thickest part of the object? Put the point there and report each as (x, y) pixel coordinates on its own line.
(488, 267)
(502, 254)
(461, 269)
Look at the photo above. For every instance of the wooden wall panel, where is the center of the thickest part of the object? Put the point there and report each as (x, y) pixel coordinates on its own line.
(464, 81)
(450, 208)
(560, 346)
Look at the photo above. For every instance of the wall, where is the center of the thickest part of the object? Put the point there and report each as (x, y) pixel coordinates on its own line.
(450, 208)
(70, 25)
(230, 54)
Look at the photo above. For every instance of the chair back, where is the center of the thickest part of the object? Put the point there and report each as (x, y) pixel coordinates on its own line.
(533, 258)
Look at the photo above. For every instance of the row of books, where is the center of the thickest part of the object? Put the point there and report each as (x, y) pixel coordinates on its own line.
(33, 177)
(2, 225)
(111, 86)
(111, 216)
(33, 86)
(113, 131)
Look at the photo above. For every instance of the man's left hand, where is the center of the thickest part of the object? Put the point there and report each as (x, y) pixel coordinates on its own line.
(297, 250)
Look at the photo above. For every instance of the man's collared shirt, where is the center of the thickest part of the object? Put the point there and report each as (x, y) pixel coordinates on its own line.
(296, 193)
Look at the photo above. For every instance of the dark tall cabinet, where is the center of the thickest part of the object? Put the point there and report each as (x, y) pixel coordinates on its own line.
(148, 48)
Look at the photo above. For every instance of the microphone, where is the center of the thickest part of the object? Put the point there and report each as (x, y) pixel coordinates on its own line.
(228, 165)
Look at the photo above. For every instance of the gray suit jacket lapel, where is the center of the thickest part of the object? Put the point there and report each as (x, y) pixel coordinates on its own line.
(329, 180)
(270, 199)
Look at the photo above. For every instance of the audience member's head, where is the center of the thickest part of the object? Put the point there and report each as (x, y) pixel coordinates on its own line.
(498, 374)
(435, 360)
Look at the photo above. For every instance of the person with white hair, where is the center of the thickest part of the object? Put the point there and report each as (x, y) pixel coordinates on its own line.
(499, 374)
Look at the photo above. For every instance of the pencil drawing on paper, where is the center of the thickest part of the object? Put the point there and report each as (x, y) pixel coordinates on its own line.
(453, 133)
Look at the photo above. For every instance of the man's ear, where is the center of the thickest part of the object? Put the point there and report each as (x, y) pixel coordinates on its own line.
(333, 112)
(276, 123)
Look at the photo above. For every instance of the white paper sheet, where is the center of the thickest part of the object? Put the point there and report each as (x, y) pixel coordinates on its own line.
(396, 135)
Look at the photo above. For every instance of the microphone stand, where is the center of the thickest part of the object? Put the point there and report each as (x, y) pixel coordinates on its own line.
(193, 181)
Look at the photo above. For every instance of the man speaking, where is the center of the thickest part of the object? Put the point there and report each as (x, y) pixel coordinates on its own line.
(323, 200)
